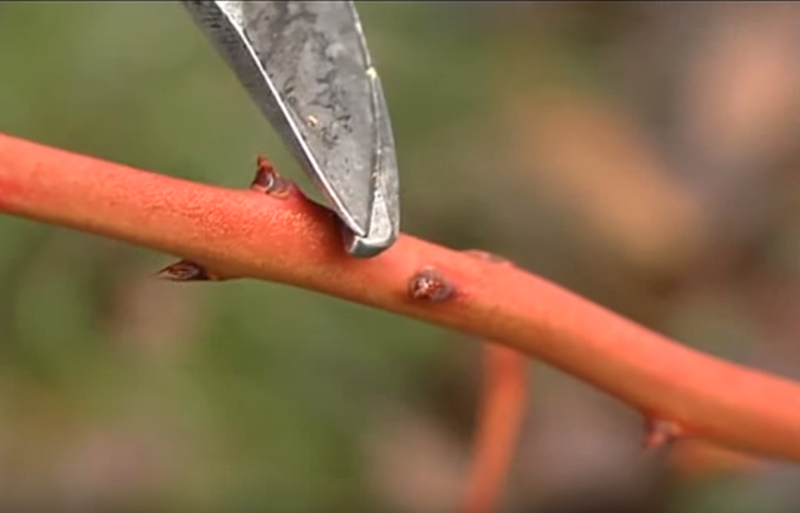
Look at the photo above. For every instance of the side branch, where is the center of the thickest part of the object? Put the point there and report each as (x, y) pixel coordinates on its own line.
(288, 239)
(500, 417)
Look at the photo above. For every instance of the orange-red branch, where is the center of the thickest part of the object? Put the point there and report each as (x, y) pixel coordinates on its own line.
(250, 234)
(500, 416)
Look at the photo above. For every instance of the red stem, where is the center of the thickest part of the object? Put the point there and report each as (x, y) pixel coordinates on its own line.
(499, 421)
(244, 233)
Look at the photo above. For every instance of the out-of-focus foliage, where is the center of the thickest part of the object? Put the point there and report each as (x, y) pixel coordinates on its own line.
(644, 155)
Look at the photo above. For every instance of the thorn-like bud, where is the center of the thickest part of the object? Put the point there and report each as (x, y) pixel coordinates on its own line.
(660, 433)
(184, 270)
(430, 285)
(269, 181)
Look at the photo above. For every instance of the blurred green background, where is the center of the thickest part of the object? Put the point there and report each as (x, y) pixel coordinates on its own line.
(642, 154)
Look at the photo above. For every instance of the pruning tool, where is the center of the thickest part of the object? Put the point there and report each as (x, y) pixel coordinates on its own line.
(307, 67)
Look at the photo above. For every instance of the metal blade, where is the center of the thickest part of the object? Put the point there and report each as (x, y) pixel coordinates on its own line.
(306, 65)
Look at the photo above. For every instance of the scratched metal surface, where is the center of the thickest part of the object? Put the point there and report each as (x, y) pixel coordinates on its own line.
(313, 78)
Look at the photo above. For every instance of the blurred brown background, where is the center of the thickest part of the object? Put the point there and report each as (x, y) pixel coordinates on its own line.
(642, 154)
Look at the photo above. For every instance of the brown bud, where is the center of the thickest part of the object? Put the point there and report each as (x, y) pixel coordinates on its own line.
(184, 270)
(661, 432)
(269, 181)
(430, 285)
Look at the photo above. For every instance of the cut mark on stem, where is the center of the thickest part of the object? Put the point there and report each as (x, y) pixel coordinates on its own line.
(185, 270)
(661, 432)
(430, 285)
(269, 181)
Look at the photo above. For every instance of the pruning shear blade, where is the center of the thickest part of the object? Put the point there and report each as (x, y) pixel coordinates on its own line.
(307, 67)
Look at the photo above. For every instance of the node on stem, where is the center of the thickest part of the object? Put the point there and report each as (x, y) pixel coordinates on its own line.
(430, 285)
(661, 432)
(490, 257)
(269, 181)
(185, 270)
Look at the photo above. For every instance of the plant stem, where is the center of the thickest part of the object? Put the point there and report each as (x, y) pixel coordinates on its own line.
(288, 239)
(500, 417)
